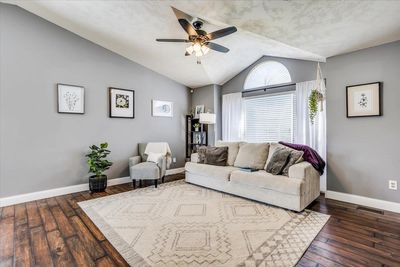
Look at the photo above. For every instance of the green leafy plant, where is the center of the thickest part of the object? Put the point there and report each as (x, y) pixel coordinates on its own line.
(196, 125)
(97, 161)
(313, 105)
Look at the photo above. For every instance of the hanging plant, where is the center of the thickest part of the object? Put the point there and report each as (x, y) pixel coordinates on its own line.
(313, 104)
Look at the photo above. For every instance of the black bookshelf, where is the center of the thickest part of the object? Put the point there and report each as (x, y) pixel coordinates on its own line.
(195, 137)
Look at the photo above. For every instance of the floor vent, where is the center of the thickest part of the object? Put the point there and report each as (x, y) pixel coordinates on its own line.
(369, 209)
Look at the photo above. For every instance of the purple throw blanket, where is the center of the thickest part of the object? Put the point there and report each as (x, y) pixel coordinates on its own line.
(309, 155)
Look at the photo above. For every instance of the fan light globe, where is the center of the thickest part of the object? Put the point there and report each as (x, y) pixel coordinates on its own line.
(205, 49)
(199, 53)
(197, 47)
(190, 49)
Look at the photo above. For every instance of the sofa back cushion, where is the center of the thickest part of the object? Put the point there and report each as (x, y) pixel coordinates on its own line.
(252, 155)
(213, 155)
(233, 149)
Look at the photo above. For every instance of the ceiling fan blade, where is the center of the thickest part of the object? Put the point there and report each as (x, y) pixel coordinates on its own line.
(217, 47)
(221, 33)
(187, 27)
(173, 40)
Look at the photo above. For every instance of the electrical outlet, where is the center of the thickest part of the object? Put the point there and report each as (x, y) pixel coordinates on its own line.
(173, 159)
(392, 184)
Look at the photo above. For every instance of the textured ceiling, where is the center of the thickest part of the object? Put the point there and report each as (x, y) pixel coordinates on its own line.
(311, 30)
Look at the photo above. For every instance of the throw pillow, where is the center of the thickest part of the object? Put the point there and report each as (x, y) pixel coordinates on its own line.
(252, 155)
(233, 149)
(278, 160)
(216, 156)
(213, 155)
(201, 151)
(294, 157)
(154, 157)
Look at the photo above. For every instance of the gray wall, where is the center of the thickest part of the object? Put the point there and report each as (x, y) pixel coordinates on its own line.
(300, 71)
(41, 149)
(363, 153)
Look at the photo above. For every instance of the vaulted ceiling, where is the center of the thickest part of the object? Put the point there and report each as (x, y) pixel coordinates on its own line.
(301, 29)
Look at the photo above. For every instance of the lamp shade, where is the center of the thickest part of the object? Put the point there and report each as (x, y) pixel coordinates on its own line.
(207, 118)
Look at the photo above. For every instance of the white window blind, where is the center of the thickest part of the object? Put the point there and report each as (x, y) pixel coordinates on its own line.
(270, 118)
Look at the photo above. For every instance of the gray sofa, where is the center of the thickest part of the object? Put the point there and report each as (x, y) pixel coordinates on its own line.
(294, 192)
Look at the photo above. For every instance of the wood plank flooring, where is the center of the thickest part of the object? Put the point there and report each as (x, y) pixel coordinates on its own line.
(56, 232)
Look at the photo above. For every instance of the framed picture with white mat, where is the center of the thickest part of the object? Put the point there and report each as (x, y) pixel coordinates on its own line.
(364, 100)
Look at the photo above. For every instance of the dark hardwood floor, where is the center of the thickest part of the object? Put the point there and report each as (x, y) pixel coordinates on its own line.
(56, 232)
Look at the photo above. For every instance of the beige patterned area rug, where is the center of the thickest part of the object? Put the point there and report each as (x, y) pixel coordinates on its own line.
(179, 224)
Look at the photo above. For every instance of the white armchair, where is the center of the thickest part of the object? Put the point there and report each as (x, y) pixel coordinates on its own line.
(141, 169)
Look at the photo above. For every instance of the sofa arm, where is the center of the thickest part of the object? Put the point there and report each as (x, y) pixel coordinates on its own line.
(194, 158)
(302, 170)
(134, 160)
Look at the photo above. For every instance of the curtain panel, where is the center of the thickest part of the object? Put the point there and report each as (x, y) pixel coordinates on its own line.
(313, 135)
(232, 117)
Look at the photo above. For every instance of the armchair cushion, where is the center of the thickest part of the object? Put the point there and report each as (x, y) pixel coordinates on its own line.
(145, 170)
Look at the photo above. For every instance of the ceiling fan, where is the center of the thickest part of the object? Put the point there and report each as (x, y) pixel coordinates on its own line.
(200, 40)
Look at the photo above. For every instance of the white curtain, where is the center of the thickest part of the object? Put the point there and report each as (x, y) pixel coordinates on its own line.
(232, 121)
(313, 135)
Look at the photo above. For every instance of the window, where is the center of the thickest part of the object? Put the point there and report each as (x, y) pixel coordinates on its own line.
(270, 118)
(266, 74)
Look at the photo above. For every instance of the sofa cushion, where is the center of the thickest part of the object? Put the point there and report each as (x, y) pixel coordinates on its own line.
(218, 172)
(252, 155)
(233, 149)
(278, 161)
(262, 179)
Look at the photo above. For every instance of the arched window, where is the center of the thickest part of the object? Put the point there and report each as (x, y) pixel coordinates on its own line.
(267, 73)
(269, 117)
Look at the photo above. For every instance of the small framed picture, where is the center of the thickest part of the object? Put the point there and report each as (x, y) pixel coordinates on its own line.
(162, 108)
(199, 109)
(71, 99)
(364, 100)
(121, 103)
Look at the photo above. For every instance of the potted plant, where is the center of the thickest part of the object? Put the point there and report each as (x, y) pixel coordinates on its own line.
(313, 100)
(98, 163)
(196, 126)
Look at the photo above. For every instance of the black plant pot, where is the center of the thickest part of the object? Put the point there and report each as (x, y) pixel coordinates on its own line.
(97, 183)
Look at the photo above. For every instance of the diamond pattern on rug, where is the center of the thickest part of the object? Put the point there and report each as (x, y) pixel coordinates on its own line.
(179, 224)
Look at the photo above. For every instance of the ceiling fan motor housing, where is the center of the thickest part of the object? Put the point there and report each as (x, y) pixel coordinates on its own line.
(197, 24)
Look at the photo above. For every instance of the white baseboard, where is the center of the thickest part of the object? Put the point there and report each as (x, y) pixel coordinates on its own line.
(364, 201)
(174, 171)
(12, 200)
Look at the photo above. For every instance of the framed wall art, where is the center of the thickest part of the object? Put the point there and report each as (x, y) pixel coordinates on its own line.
(199, 109)
(364, 100)
(162, 108)
(121, 103)
(71, 99)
